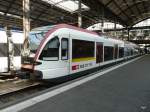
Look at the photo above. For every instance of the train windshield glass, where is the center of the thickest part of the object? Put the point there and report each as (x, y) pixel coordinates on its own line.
(36, 36)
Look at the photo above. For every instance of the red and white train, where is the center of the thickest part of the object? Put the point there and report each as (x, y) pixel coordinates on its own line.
(62, 50)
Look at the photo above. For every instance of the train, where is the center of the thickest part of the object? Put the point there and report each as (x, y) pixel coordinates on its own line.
(5, 47)
(63, 50)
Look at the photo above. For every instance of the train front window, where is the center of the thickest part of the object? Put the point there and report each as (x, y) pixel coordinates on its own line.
(35, 40)
(51, 50)
(36, 36)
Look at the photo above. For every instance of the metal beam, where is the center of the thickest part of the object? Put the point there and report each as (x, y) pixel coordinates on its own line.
(140, 41)
(108, 3)
(96, 6)
(140, 13)
(122, 10)
(129, 7)
(136, 3)
(79, 14)
(144, 6)
(10, 5)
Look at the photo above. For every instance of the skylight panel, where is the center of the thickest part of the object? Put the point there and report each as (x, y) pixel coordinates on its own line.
(68, 5)
(52, 1)
(107, 25)
(143, 23)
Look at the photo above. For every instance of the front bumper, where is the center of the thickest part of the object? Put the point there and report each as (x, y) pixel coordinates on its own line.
(26, 74)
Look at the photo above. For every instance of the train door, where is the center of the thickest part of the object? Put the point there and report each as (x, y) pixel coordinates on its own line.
(99, 52)
(116, 51)
(65, 54)
(3, 52)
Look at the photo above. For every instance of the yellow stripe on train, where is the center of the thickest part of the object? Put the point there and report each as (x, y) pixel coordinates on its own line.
(83, 59)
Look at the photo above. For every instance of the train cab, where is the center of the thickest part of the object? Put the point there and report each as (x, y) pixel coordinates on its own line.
(49, 53)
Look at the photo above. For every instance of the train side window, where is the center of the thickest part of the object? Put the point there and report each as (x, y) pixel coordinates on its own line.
(51, 50)
(82, 49)
(116, 51)
(108, 53)
(64, 49)
(121, 52)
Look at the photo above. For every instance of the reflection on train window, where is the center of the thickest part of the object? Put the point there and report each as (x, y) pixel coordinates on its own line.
(108, 53)
(51, 50)
(126, 51)
(121, 52)
(82, 49)
(135, 51)
(132, 51)
(64, 49)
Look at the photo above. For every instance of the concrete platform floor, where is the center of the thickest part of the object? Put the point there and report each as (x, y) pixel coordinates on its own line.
(126, 89)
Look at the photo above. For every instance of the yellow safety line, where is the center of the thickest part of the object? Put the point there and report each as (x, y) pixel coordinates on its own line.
(83, 59)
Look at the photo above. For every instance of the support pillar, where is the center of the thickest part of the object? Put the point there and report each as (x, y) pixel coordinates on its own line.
(102, 25)
(26, 22)
(10, 49)
(79, 14)
(128, 34)
(115, 27)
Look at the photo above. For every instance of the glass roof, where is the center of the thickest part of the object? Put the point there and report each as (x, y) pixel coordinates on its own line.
(107, 25)
(143, 23)
(68, 5)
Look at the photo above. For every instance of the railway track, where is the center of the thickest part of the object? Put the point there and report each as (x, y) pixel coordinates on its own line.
(15, 90)
(13, 86)
(5, 76)
(10, 85)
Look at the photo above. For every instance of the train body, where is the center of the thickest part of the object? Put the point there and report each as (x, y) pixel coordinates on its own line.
(62, 50)
(17, 41)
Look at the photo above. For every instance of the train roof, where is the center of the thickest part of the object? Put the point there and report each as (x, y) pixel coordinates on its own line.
(42, 29)
(49, 27)
(59, 26)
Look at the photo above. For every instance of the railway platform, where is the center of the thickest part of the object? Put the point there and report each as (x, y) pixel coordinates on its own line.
(126, 88)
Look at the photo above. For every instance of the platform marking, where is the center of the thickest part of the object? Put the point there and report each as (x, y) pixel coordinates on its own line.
(30, 102)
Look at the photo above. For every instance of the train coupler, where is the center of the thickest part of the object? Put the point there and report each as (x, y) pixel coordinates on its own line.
(23, 74)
